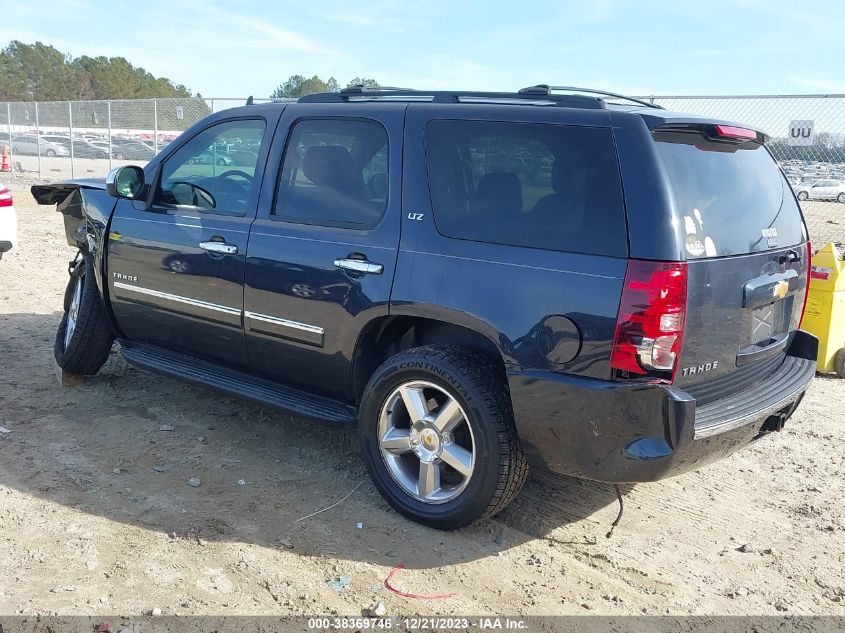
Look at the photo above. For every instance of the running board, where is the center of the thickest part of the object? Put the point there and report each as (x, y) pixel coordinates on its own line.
(265, 392)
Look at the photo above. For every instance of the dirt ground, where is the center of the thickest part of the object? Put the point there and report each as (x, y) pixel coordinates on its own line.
(96, 514)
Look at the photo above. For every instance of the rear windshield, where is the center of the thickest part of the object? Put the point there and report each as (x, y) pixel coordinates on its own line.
(732, 198)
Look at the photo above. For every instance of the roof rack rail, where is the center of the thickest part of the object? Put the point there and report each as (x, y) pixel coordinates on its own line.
(355, 93)
(541, 88)
(357, 89)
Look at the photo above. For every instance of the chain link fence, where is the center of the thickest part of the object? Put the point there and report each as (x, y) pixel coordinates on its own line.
(73, 139)
(87, 138)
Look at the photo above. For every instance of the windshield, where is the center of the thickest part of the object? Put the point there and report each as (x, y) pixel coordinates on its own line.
(732, 198)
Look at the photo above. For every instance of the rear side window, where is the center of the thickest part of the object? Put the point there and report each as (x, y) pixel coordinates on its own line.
(334, 174)
(553, 187)
(732, 197)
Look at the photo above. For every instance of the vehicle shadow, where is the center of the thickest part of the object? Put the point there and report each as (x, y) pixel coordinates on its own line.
(123, 445)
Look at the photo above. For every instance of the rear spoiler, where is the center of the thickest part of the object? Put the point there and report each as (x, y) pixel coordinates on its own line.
(665, 118)
(55, 193)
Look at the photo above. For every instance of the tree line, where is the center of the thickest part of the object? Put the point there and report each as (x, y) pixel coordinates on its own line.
(40, 72)
(298, 86)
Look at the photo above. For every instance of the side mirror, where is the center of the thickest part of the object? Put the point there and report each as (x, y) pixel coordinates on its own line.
(125, 182)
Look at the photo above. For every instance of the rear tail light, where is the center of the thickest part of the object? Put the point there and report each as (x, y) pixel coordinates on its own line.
(5, 197)
(650, 326)
(809, 277)
(732, 131)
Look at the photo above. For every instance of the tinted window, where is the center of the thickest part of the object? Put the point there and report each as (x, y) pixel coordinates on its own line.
(733, 199)
(542, 186)
(206, 174)
(334, 173)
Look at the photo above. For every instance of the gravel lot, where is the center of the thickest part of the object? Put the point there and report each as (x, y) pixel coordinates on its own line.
(96, 514)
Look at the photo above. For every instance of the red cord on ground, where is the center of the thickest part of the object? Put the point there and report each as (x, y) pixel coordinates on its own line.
(410, 595)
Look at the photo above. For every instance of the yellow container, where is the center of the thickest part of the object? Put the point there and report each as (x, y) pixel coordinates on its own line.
(825, 314)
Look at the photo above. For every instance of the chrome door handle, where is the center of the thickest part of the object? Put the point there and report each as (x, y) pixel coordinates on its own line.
(359, 266)
(219, 247)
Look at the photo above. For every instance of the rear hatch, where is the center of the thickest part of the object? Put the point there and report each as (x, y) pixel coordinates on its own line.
(747, 256)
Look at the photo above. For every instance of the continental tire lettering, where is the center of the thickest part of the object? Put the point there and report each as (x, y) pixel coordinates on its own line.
(423, 365)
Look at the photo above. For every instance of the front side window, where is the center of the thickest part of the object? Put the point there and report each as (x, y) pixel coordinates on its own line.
(546, 186)
(334, 174)
(215, 170)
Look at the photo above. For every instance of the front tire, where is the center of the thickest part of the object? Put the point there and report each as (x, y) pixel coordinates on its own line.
(84, 337)
(803, 195)
(439, 438)
(841, 197)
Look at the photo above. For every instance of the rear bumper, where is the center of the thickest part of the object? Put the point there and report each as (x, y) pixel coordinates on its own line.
(615, 432)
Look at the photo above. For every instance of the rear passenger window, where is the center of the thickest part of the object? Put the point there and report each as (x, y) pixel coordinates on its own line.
(544, 186)
(334, 173)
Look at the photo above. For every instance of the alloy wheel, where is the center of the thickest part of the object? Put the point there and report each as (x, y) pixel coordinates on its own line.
(73, 310)
(426, 442)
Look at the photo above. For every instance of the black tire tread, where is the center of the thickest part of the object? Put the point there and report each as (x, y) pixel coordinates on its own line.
(839, 363)
(475, 368)
(92, 340)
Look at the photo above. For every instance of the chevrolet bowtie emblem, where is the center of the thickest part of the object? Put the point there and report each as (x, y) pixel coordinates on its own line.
(780, 289)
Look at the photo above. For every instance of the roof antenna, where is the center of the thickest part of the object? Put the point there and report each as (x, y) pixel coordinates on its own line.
(249, 100)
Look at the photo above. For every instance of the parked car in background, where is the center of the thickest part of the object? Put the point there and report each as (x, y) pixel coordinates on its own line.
(103, 145)
(8, 221)
(30, 144)
(132, 150)
(821, 190)
(213, 156)
(82, 148)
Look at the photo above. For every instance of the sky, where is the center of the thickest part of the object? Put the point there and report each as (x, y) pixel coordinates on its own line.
(643, 47)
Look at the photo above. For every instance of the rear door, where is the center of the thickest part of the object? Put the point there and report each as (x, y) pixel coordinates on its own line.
(322, 250)
(745, 244)
(176, 270)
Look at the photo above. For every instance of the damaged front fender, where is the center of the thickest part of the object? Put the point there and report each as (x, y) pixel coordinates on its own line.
(86, 210)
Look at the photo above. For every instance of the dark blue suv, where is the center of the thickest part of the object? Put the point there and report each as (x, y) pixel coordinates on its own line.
(477, 280)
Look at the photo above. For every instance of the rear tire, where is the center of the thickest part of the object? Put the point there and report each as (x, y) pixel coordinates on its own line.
(410, 456)
(50, 153)
(839, 363)
(841, 197)
(84, 337)
(803, 195)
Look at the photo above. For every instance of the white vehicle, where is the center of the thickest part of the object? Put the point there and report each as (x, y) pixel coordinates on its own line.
(8, 221)
(32, 145)
(821, 190)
